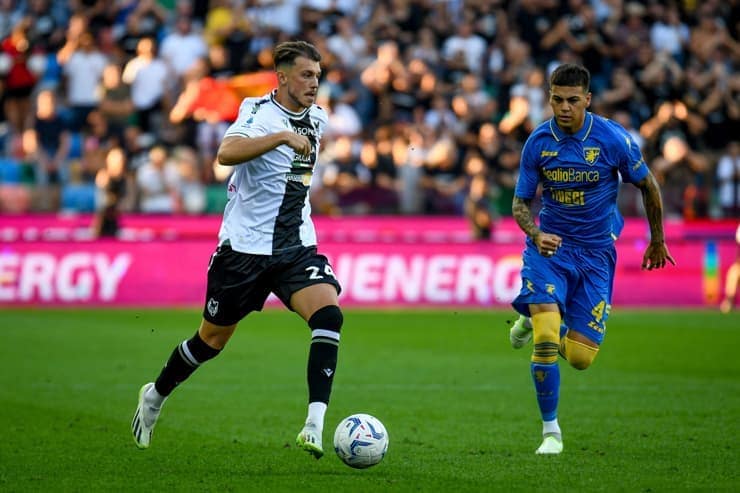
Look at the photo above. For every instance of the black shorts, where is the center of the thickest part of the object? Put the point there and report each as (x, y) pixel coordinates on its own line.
(239, 283)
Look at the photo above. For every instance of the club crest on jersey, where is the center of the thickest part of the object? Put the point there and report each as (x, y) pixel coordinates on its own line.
(591, 154)
(212, 307)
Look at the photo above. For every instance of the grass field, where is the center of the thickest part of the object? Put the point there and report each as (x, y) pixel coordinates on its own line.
(658, 411)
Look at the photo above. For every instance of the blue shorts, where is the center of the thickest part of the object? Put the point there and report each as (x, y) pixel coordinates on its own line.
(578, 280)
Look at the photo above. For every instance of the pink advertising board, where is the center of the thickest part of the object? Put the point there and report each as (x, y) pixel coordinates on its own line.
(465, 274)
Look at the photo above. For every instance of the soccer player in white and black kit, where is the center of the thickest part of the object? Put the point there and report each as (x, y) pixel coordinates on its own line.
(267, 241)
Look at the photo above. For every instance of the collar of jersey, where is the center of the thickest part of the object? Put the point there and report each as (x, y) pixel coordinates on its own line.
(283, 108)
(581, 135)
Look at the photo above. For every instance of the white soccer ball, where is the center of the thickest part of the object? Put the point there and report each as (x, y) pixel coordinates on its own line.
(361, 441)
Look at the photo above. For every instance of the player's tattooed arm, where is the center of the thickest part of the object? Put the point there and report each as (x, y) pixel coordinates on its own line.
(522, 211)
(656, 255)
(547, 243)
(653, 207)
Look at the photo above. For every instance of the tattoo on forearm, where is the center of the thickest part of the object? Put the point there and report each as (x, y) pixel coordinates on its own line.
(653, 207)
(523, 214)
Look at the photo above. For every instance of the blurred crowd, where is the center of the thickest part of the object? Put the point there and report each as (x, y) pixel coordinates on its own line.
(119, 105)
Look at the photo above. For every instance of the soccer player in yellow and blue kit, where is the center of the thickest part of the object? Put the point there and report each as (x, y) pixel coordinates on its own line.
(570, 257)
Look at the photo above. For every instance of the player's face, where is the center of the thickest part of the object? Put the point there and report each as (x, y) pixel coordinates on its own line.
(569, 107)
(298, 84)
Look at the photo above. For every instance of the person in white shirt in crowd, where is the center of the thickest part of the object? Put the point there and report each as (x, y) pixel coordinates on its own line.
(158, 181)
(182, 47)
(148, 76)
(467, 44)
(728, 180)
(84, 71)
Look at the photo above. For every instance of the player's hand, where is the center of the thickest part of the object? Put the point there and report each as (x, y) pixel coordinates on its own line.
(299, 143)
(547, 244)
(656, 256)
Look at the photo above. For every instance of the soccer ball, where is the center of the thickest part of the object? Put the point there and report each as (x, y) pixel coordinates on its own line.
(361, 441)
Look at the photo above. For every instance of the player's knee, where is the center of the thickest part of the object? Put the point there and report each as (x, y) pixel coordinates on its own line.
(327, 318)
(579, 355)
(546, 327)
(546, 337)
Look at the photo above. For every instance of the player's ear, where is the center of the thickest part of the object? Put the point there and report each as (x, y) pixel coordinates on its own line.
(282, 77)
(588, 100)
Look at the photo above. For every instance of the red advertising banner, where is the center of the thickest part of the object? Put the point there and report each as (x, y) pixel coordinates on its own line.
(472, 274)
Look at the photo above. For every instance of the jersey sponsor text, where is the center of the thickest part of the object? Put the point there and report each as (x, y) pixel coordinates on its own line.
(571, 175)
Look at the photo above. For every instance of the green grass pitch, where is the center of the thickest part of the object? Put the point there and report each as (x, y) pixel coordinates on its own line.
(658, 411)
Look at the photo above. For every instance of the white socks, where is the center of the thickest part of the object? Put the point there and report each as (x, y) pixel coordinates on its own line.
(551, 428)
(316, 412)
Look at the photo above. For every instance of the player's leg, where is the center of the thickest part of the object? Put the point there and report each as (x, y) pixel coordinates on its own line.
(546, 373)
(732, 279)
(542, 299)
(588, 310)
(185, 359)
(318, 305)
(306, 284)
(521, 332)
(232, 292)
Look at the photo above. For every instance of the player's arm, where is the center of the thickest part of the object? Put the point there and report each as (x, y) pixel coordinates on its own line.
(547, 243)
(521, 206)
(237, 149)
(656, 254)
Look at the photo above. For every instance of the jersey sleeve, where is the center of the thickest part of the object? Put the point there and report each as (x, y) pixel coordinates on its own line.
(247, 124)
(526, 184)
(632, 166)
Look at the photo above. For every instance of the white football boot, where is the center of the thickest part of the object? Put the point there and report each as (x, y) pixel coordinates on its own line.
(145, 418)
(521, 332)
(551, 445)
(309, 439)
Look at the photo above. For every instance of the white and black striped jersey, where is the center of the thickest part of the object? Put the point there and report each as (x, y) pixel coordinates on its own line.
(268, 209)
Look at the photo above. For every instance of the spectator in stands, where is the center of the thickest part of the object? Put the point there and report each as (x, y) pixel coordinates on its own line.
(378, 78)
(149, 79)
(343, 118)
(478, 204)
(83, 72)
(18, 80)
(502, 155)
(408, 152)
(440, 118)
(407, 75)
(280, 17)
(728, 180)
(158, 182)
(348, 45)
(529, 94)
(668, 34)
(464, 51)
(381, 162)
(191, 191)
(10, 15)
(53, 141)
(630, 34)
(718, 101)
(210, 105)
(49, 19)
(229, 25)
(680, 172)
(182, 48)
(621, 94)
(348, 178)
(115, 103)
(115, 194)
(443, 180)
(145, 20)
